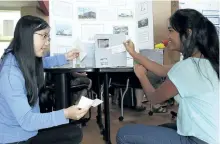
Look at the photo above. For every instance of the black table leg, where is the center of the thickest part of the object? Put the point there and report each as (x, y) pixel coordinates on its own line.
(99, 110)
(61, 91)
(106, 110)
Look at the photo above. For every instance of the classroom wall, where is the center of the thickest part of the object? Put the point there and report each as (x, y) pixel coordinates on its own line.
(33, 10)
(161, 13)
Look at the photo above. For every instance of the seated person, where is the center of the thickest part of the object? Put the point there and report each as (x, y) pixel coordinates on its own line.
(21, 78)
(193, 81)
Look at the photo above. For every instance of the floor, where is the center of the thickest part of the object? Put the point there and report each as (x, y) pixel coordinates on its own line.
(92, 132)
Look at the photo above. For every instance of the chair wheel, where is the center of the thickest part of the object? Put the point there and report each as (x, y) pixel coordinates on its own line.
(121, 118)
(150, 113)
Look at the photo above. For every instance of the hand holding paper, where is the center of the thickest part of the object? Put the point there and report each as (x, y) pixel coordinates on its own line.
(117, 49)
(86, 102)
(75, 113)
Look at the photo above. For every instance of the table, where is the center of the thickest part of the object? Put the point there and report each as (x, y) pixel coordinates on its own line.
(62, 85)
(61, 90)
(106, 71)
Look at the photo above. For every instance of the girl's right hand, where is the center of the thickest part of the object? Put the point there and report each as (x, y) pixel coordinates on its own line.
(75, 113)
(129, 45)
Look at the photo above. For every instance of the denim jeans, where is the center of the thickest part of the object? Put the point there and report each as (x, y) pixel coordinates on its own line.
(142, 134)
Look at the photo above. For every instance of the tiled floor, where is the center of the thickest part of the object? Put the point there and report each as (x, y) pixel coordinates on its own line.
(92, 132)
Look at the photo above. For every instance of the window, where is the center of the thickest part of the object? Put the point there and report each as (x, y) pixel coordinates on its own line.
(3, 46)
(8, 20)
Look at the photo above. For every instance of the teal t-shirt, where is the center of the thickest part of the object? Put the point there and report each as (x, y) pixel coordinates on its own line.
(198, 98)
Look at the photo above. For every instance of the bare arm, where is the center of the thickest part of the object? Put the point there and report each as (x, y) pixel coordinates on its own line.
(152, 66)
(166, 91)
(160, 70)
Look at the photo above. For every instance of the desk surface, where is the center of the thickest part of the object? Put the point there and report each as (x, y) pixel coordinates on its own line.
(68, 70)
(101, 70)
(116, 69)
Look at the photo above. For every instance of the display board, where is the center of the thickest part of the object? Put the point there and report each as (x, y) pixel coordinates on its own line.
(81, 20)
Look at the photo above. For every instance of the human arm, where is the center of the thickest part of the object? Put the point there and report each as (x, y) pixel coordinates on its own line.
(52, 61)
(166, 91)
(158, 69)
(14, 94)
(59, 60)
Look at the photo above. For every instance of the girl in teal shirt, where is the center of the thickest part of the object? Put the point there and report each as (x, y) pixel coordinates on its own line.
(194, 82)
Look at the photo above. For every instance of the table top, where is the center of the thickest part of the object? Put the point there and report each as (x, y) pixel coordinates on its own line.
(116, 69)
(101, 70)
(68, 70)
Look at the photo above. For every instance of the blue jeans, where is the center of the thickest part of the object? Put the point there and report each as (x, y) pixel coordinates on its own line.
(142, 134)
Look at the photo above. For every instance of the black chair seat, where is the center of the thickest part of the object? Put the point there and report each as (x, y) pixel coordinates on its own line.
(75, 88)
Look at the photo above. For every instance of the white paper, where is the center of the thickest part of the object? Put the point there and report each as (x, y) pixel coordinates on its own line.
(87, 103)
(144, 20)
(118, 2)
(62, 9)
(82, 55)
(117, 49)
(210, 12)
(80, 48)
(108, 14)
(89, 31)
(215, 20)
(142, 8)
(97, 102)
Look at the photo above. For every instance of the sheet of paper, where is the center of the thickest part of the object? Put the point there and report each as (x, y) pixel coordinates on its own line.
(62, 8)
(88, 31)
(118, 2)
(144, 20)
(82, 55)
(87, 103)
(108, 14)
(97, 102)
(117, 49)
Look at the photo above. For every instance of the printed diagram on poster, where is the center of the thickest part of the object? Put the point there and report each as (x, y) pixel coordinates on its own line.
(143, 23)
(143, 36)
(210, 12)
(88, 31)
(103, 43)
(120, 30)
(142, 8)
(125, 13)
(62, 9)
(86, 13)
(63, 29)
(214, 19)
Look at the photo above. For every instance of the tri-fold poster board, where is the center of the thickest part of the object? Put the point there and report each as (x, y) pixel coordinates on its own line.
(103, 24)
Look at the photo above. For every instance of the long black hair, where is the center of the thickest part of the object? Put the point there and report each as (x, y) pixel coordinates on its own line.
(22, 47)
(197, 33)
